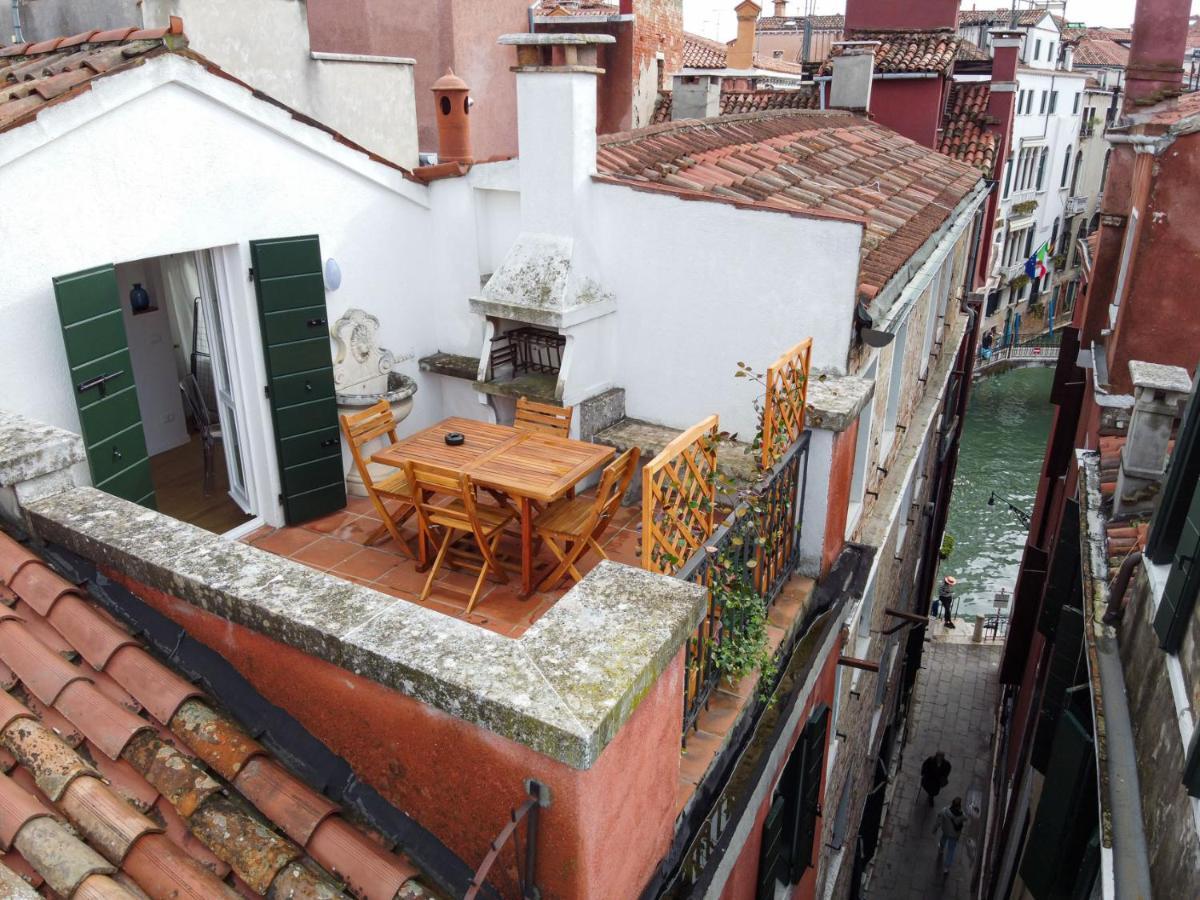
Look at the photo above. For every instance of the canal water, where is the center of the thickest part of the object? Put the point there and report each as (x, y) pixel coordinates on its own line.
(1004, 440)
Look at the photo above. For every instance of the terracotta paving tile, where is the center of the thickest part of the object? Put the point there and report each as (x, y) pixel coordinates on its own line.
(361, 506)
(325, 553)
(258, 533)
(330, 523)
(722, 712)
(357, 529)
(504, 605)
(404, 577)
(285, 541)
(368, 565)
(701, 749)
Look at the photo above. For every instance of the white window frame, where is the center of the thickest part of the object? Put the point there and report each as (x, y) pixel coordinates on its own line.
(1126, 252)
(895, 382)
(862, 459)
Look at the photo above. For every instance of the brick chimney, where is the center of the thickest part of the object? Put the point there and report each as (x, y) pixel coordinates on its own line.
(741, 54)
(556, 125)
(1155, 68)
(853, 75)
(780, 9)
(1159, 392)
(1006, 51)
(451, 95)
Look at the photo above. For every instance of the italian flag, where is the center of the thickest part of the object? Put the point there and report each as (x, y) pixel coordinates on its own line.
(1035, 266)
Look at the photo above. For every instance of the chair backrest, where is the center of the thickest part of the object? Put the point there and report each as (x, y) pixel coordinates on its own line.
(614, 482)
(363, 427)
(543, 417)
(426, 481)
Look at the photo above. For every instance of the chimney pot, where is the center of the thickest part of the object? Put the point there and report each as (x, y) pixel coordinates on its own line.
(1158, 393)
(741, 54)
(451, 95)
(780, 8)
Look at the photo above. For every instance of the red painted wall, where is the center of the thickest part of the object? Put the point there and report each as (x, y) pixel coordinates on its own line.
(743, 880)
(1157, 320)
(841, 473)
(606, 829)
(456, 34)
(911, 106)
(901, 14)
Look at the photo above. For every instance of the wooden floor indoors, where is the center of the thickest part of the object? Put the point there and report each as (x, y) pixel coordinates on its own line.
(178, 476)
(337, 544)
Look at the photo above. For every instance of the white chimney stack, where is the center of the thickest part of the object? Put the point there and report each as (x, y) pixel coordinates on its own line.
(853, 74)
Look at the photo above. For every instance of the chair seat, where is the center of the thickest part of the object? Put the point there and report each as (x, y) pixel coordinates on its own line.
(568, 517)
(394, 486)
(491, 519)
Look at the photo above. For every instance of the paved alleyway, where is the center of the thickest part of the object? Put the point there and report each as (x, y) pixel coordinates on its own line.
(952, 711)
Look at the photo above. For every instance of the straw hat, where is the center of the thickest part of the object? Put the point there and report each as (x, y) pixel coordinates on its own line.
(951, 580)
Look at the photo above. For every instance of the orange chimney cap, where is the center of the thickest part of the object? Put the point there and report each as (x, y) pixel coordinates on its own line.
(450, 82)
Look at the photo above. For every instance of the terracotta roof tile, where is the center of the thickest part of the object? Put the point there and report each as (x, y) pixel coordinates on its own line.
(802, 162)
(907, 51)
(733, 102)
(704, 53)
(796, 23)
(17, 807)
(121, 698)
(65, 861)
(966, 135)
(969, 51)
(1000, 18)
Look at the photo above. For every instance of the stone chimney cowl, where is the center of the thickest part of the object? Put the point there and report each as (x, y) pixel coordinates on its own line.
(453, 100)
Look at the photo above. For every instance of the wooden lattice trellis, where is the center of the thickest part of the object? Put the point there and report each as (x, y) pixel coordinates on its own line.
(787, 396)
(678, 498)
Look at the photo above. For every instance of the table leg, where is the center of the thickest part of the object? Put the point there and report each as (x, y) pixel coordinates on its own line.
(526, 547)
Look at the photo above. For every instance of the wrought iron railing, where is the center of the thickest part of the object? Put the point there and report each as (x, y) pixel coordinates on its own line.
(1026, 345)
(758, 545)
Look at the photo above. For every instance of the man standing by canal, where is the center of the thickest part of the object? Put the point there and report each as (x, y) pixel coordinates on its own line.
(946, 599)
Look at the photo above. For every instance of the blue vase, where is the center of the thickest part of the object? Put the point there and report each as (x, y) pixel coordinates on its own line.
(139, 298)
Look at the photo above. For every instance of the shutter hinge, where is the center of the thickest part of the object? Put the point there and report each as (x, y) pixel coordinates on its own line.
(280, 497)
(267, 391)
(251, 273)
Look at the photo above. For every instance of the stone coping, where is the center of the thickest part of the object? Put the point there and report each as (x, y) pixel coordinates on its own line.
(1157, 377)
(733, 457)
(30, 449)
(564, 688)
(834, 401)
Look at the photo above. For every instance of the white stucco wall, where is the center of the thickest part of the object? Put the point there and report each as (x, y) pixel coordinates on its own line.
(167, 158)
(701, 286)
(265, 43)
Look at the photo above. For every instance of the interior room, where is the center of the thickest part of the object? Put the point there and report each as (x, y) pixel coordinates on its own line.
(172, 323)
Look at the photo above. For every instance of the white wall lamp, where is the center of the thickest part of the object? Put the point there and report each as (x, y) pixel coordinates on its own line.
(333, 275)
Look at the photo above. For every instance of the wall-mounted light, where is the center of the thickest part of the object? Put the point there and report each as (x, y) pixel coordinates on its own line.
(333, 274)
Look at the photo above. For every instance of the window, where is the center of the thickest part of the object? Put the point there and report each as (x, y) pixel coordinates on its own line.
(1041, 172)
(1042, 108)
(862, 453)
(1075, 173)
(1104, 170)
(894, 385)
(1053, 102)
(1075, 106)
(1123, 272)
(1050, 52)
(841, 819)
(1008, 167)
(1066, 167)
(1037, 49)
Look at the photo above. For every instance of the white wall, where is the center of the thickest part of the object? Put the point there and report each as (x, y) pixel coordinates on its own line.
(265, 43)
(701, 286)
(167, 158)
(152, 351)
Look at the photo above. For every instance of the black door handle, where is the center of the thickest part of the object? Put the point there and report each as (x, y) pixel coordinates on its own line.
(117, 453)
(329, 442)
(100, 381)
(314, 323)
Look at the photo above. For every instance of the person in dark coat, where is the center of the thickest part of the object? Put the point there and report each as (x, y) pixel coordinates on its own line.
(946, 599)
(935, 774)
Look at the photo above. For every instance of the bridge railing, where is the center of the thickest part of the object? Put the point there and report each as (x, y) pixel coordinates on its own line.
(1022, 346)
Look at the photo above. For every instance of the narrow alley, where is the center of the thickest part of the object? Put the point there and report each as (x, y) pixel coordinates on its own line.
(953, 707)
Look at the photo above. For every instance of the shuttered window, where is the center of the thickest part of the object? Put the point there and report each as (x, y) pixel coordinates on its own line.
(1065, 574)
(1063, 673)
(1179, 596)
(295, 333)
(790, 828)
(1191, 766)
(1182, 477)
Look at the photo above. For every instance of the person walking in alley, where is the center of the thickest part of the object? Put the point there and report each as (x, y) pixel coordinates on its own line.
(946, 599)
(935, 774)
(950, 822)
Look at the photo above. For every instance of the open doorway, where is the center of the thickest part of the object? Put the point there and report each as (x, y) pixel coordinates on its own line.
(181, 368)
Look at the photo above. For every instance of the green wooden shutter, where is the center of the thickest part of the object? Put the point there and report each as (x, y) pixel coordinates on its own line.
(808, 792)
(1065, 574)
(1182, 476)
(295, 332)
(1062, 674)
(1056, 846)
(1191, 765)
(89, 307)
(1179, 596)
(772, 856)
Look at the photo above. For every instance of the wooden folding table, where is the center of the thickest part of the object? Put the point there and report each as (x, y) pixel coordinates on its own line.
(530, 467)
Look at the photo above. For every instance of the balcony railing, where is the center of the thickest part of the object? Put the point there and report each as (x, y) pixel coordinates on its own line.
(1075, 205)
(758, 542)
(1011, 271)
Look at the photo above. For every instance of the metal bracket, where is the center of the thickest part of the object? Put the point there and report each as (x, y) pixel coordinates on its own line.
(100, 381)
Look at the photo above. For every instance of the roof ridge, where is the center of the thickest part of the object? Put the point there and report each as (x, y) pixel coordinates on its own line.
(171, 35)
(624, 137)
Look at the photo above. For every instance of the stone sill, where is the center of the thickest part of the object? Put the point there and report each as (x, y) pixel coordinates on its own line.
(539, 386)
(451, 365)
(564, 688)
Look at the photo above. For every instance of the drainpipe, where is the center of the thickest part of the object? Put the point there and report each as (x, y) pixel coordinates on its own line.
(18, 35)
(1116, 593)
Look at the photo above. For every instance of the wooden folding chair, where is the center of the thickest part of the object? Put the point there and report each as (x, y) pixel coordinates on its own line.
(573, 525)
(461, 516)
(544, 417)
(361, 428)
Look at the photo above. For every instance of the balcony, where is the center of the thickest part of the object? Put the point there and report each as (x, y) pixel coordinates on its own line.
(1075, 205)
(1009, 272)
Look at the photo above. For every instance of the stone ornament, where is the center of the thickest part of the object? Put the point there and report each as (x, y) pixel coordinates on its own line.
(360, 365)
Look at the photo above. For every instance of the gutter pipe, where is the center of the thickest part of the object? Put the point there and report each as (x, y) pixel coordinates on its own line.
(1116, 592)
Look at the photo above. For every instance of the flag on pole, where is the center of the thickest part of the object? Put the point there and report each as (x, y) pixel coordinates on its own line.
(1035, 266)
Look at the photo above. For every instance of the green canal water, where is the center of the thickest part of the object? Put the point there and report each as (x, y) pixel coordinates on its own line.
(1004, 440)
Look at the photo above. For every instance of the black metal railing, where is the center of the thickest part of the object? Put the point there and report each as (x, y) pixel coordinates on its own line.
(757, 546)
(1026, 345)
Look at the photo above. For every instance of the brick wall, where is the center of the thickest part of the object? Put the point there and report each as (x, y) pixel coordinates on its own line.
(659, 29)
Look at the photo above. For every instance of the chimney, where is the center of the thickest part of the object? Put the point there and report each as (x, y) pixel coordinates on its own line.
(695, 97)
(853, 73)
(1155, 68)
(780, 9)
(741, 54)
(1068, 57)
(450, 93)
(556, 125)
(1158, 392)
(1006, 51)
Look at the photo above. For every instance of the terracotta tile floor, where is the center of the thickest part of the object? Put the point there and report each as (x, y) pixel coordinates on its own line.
(337, 544)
